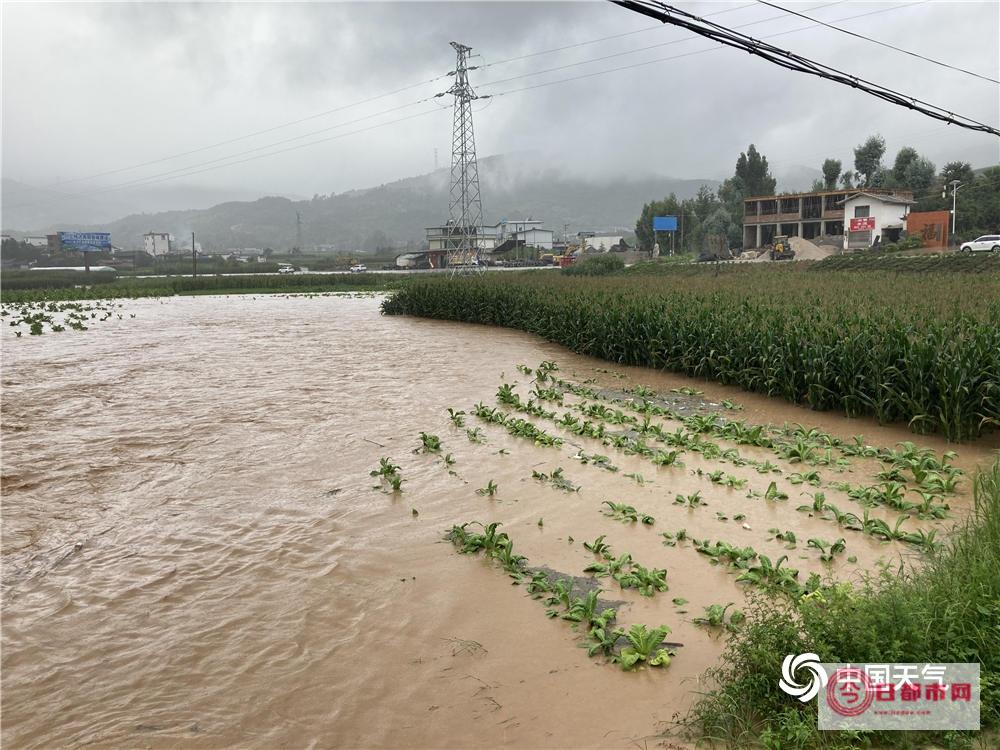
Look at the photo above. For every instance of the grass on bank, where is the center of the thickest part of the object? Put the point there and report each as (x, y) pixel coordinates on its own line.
(55, 287)
(947, 610)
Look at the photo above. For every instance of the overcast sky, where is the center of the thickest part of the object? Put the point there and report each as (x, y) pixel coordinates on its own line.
(91, 87)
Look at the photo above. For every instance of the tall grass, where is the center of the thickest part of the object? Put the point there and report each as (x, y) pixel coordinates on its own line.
(948, 610)
(920, 349)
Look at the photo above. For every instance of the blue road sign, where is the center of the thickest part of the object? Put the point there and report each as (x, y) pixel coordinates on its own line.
(664, 223)
(87, 242)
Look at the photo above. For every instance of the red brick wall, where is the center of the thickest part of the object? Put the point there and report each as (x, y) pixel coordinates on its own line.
(933, 226)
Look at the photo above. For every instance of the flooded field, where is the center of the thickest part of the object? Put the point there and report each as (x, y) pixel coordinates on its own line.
(195, 554)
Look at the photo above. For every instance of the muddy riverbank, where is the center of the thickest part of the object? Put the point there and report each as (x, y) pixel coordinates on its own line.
(194, 554)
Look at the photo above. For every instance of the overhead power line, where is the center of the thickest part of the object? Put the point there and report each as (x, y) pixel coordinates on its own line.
(194, 170)
(324, 113)
(795, 62)
(602, 39)
(234, 159)
(237, 139)
(637, 50)
(703, 51)
(879, 42)
(226, 161)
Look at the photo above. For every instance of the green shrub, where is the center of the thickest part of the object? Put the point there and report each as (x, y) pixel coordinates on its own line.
(947, 611)
(596, 265)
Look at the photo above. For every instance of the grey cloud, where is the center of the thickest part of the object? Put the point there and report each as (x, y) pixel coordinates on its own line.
(179, 76)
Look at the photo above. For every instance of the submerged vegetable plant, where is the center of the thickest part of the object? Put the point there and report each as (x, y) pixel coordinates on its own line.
(390, 473)
(489, 490)
(644, 647)
(429, 443)
(715, 616)
(626, 513)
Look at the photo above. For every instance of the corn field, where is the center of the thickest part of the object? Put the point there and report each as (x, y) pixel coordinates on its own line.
(921, 349)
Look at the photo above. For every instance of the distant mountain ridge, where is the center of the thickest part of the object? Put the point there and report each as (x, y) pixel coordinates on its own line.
(29, 209)
(398, 212)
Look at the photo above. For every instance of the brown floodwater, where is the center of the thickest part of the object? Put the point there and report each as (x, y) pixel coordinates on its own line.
(194, 554)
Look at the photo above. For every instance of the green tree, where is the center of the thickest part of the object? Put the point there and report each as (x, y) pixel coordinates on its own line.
(868, 157)
(919, 175)
(957, 170)
(831, 172)
(847, 179)
(904, 158)
(753, 174)
(752, 177)
(978, 200)
(644, 226)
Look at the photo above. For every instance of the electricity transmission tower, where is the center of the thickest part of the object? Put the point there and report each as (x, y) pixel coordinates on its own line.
(465, 208)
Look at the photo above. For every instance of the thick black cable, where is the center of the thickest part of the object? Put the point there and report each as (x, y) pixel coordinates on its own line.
(637, 50)
(795, 62)
(877, 41)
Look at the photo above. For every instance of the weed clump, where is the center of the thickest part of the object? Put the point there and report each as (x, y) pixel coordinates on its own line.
(948, 610)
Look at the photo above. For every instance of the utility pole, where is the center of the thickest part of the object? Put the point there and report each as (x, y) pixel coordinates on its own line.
(465, 208)
(955, 185)
(194, 258)
(298, 231)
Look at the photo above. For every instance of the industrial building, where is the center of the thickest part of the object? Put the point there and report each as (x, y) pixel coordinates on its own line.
(157, 243)
(496, 238)
(820, 214)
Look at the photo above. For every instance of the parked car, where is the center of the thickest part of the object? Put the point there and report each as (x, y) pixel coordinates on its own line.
(985, 244)
(359, 268)
(286, 269)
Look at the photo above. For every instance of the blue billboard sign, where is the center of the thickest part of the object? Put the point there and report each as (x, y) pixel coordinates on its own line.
(664, 223)
(86, 242)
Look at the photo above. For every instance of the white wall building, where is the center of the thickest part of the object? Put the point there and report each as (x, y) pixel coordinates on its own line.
(601, 244)
(540, 238)
(37, 240)
(868, 216)
(489, 238)
(156, 243)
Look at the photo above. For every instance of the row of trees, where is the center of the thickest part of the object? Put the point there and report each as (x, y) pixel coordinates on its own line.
(721, 212)
(908, 170)
(711, 212)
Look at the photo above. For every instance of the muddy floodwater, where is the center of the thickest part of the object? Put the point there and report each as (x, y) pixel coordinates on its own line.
(194, 554)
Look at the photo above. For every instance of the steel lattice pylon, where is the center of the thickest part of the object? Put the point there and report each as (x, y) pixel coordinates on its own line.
(465, 209)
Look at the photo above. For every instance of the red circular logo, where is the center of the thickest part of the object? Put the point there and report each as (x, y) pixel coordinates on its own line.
(849, 692)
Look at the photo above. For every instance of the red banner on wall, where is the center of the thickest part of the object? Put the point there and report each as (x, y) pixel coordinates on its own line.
(859, 225)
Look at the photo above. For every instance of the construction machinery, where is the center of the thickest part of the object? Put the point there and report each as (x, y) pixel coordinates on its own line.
(781, 248)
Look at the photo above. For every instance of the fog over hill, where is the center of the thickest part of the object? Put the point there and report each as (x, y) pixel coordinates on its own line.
(398, 212)
(26, 208)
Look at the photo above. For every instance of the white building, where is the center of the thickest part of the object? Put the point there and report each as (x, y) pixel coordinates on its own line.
(157, 243)
(37, 240)
(488, 238)
(868, 217)
(602, 244)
